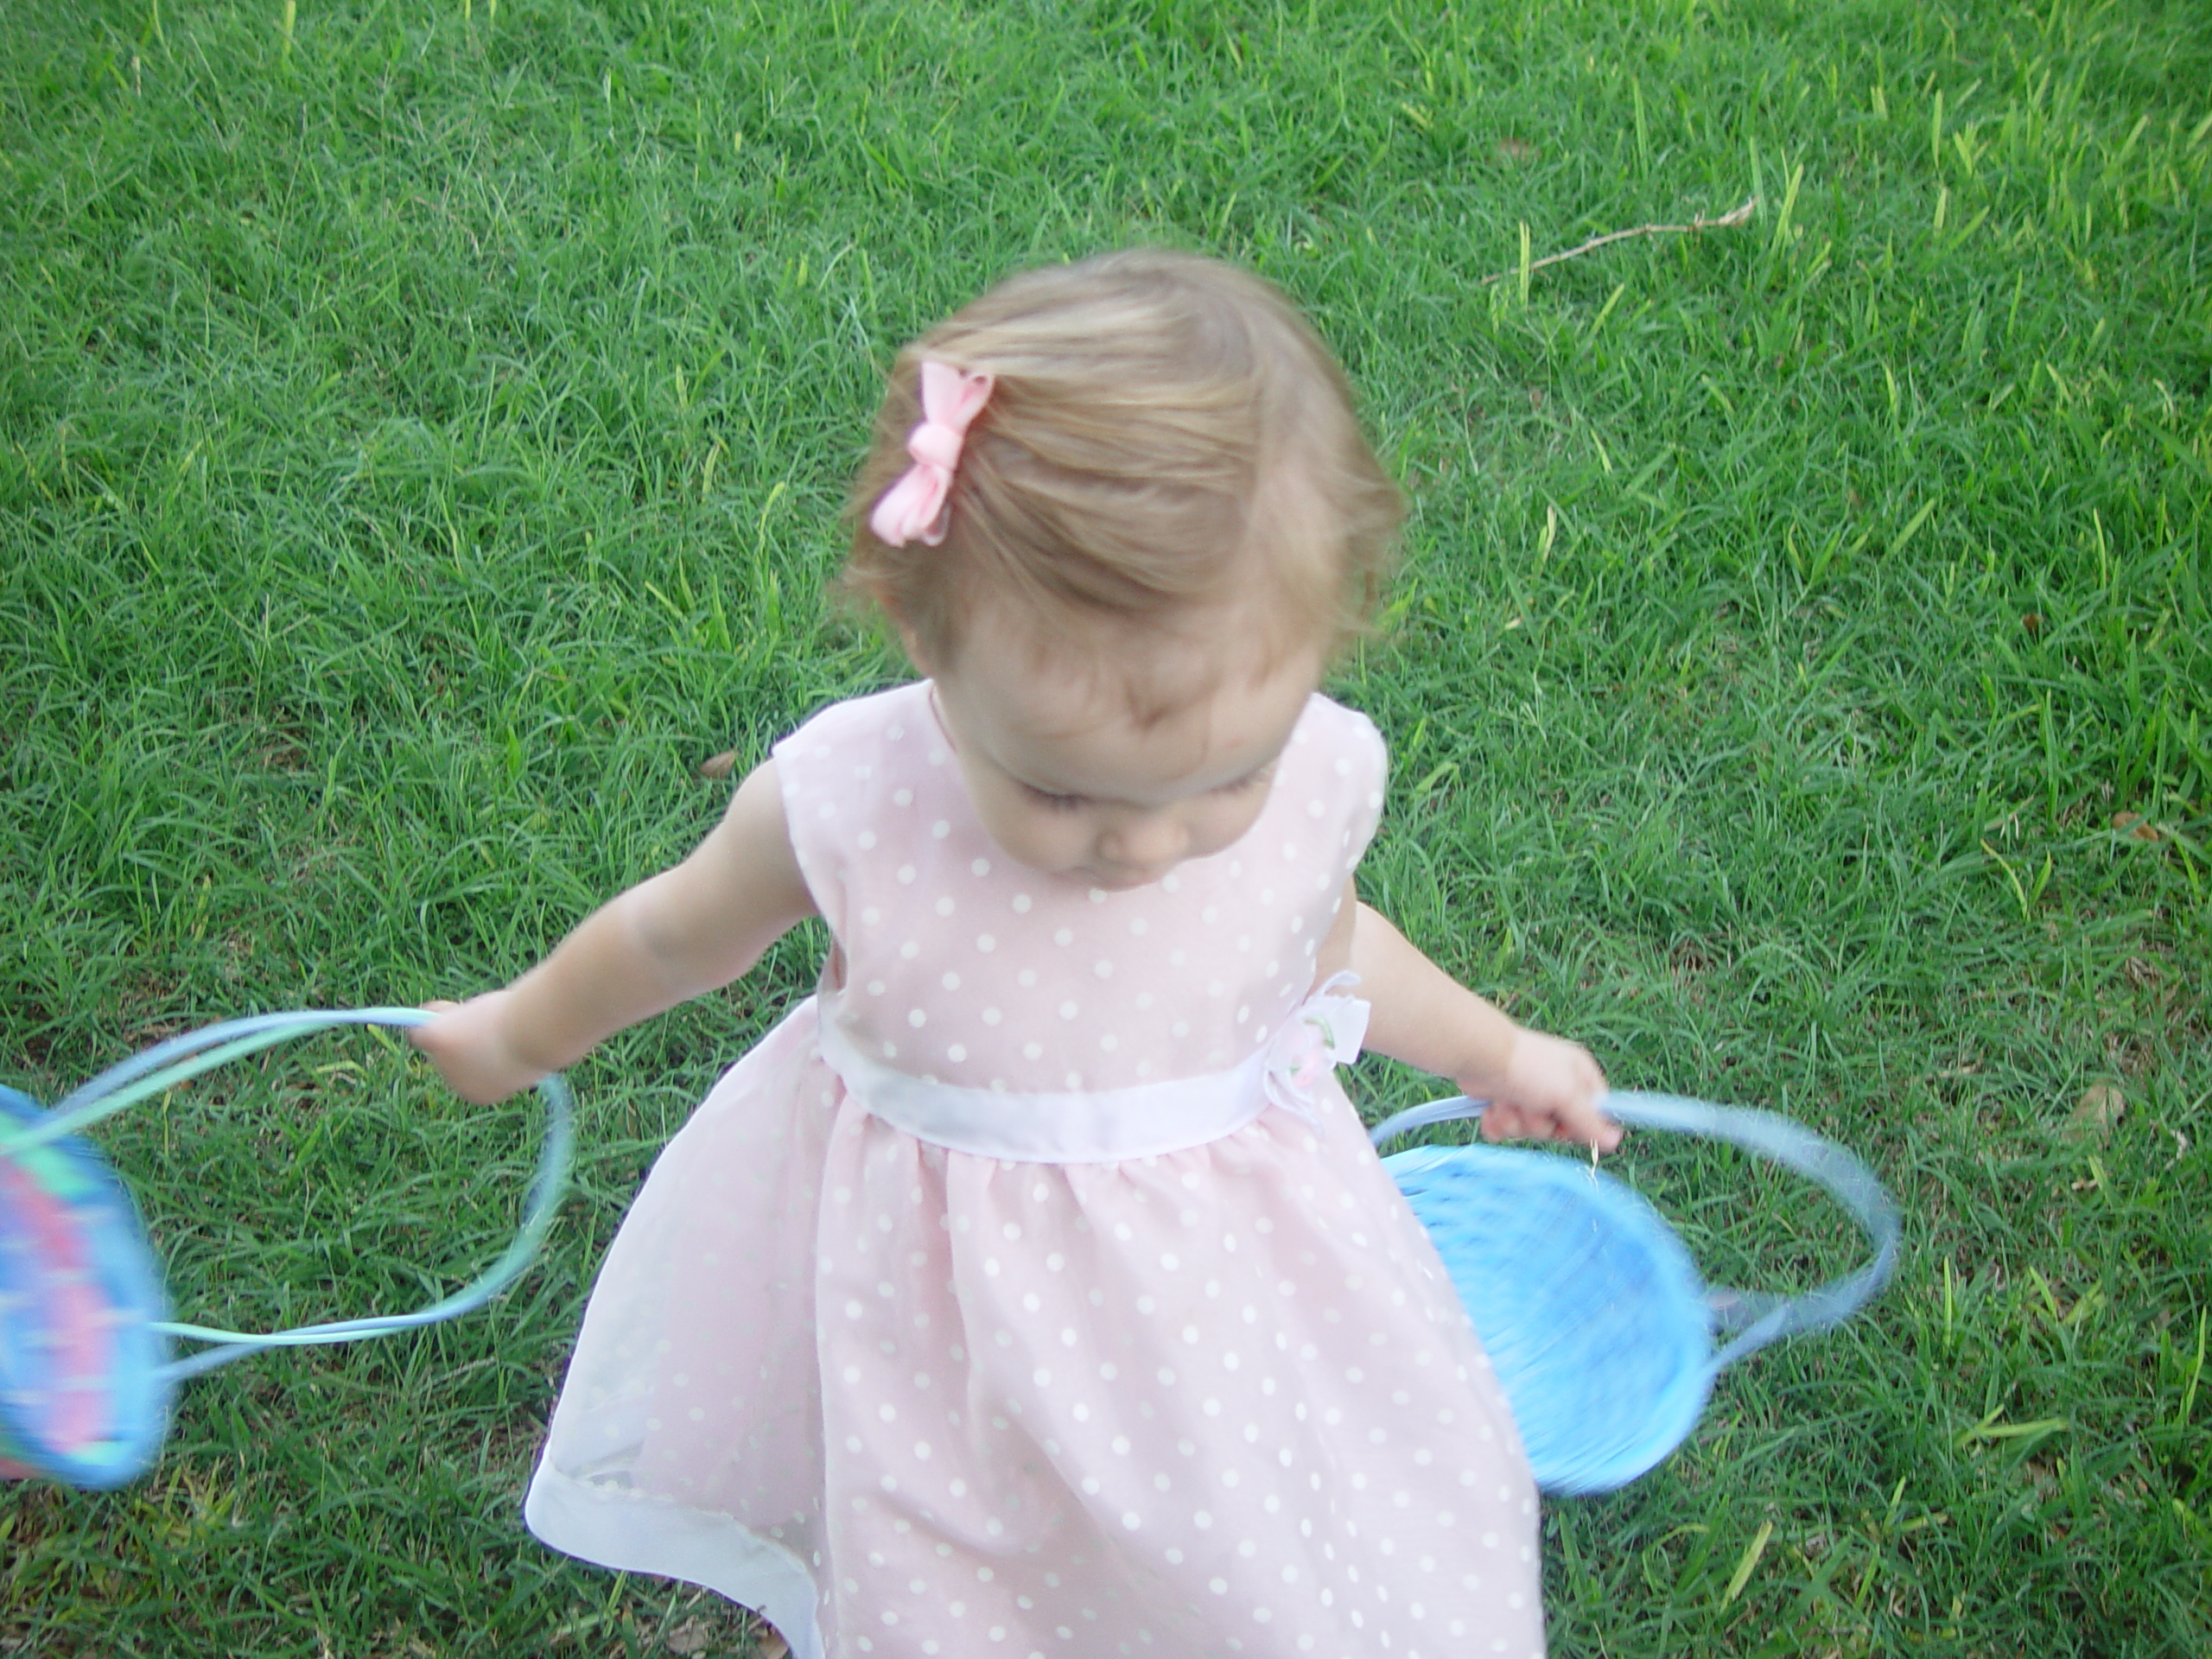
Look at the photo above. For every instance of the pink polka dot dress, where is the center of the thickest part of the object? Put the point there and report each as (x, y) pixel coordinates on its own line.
(1031, 1289)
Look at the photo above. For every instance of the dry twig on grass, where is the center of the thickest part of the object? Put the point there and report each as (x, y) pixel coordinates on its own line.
(1726, 221)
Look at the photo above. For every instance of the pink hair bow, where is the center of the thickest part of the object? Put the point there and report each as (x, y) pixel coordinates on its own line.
(914, 508)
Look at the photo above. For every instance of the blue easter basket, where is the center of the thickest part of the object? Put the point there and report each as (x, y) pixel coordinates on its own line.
(1593, 1315)
(86, 1374)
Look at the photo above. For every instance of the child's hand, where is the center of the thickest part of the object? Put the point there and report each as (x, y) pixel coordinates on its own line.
(469, 1044)
(1550, 1092)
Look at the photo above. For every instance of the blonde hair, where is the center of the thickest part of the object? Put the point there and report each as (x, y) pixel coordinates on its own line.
(1166, 434)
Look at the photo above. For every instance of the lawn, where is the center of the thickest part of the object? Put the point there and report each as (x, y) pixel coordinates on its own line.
(424, 425)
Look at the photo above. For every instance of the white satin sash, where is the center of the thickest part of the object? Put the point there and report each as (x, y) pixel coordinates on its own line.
(1109, 1125)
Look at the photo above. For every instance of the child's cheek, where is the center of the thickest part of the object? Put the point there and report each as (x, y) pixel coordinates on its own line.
(1023, 835)
(1226, 825)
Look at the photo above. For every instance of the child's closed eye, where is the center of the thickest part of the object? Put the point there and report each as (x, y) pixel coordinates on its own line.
(1052, 803)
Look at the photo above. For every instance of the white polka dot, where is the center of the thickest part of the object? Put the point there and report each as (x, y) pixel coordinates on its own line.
(944, 906)
(980, 866)
(1067, 1010)
(903, 798)
(905, 875)
(868, 840)
(1021, 903)
(1103, 969)
(1064, 936)
(915, 1017)
(940, 830)
(992, 1016)
(986, 944)
(1032, 1051)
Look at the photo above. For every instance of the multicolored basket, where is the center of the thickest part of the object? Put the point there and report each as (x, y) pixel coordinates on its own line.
(85, 1376)
(1590, 1310)
(81, 1393)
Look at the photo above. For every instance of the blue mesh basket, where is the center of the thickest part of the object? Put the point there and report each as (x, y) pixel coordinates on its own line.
(1591, 1311)
(85, 1376)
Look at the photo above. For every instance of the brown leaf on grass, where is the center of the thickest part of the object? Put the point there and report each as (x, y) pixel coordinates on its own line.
(771, 1646)
(1517, 149)
(2097, 1113)
(2136, 825)
(2033, 622)
(692, 1636)
(720, 766)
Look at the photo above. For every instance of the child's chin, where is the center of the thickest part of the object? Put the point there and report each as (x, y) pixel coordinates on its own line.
(1085, 875)
(1118, 880)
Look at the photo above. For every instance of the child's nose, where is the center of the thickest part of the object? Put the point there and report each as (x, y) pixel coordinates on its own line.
(1150, 842)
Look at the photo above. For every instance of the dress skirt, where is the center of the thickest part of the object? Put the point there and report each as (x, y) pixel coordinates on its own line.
(906, 1400)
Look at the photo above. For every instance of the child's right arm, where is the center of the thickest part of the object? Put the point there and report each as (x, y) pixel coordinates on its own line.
(684, 931)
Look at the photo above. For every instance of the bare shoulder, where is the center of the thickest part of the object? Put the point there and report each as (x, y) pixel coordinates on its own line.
(740, 890)
(751, 845)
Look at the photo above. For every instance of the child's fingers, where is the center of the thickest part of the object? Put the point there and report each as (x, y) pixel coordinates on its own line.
(1505, 1122)
(425, 1037)
(1585, 1123)
(1580, 1122)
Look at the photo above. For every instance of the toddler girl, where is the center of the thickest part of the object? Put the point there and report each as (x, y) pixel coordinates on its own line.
(1032, 1289)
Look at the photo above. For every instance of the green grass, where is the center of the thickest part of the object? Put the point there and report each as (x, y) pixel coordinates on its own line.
(422, 428)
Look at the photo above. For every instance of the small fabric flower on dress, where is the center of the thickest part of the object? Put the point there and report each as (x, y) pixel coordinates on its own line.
(1325, 1031)
(916, 507)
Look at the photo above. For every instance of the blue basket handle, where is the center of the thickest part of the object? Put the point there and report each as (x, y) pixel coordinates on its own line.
(167, 1064)
(1757, 1317)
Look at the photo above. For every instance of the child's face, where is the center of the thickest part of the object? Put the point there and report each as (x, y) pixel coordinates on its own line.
(1068, 782)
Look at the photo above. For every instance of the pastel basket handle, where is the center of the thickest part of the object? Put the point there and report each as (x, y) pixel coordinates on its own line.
(1757, 1317)
(167, 1064)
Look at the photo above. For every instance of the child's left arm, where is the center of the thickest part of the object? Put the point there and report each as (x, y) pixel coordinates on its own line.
(1538, 1085)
